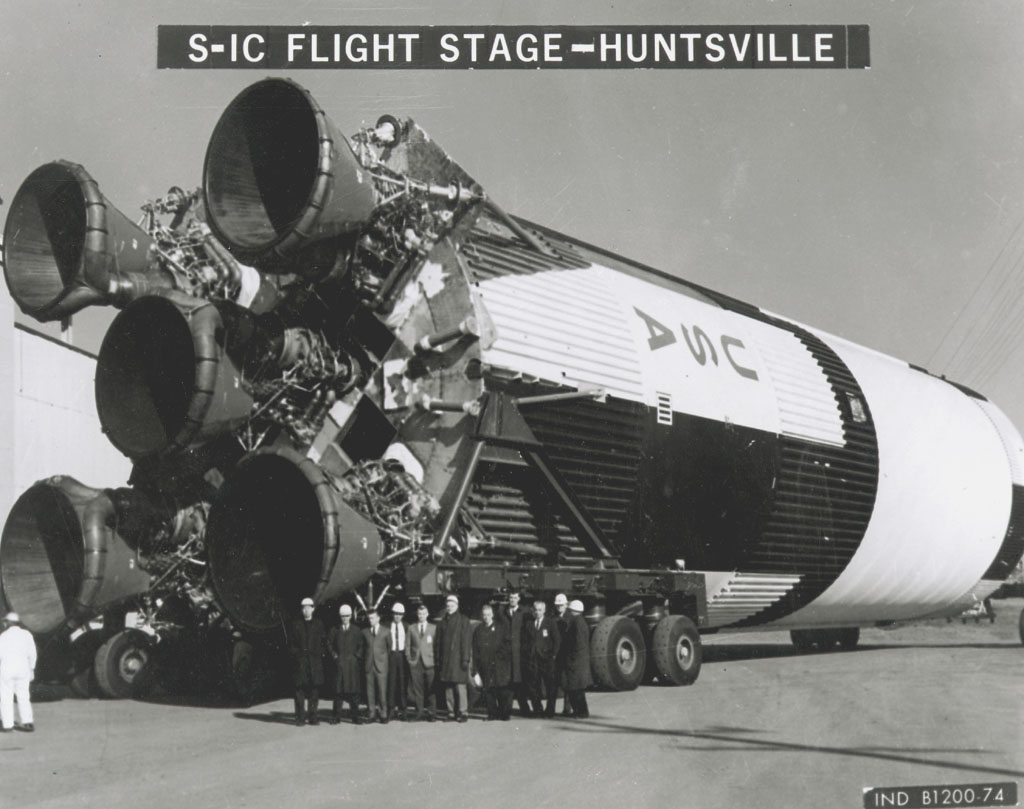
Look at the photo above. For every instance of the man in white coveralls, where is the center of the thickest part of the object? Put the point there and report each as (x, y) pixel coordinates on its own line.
(17, 668)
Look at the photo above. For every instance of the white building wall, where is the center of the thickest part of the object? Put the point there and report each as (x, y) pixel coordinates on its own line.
(56, 429)
(7, 448)
(48, 421)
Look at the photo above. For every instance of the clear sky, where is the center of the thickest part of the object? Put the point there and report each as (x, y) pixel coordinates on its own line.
(886, 206)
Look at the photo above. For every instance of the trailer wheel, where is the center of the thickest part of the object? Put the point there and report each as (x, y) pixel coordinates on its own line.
(121, 664)
(803, 640)
(617, 653)
(849, 637)
(83, 683)
(82, 672)
(676, 650)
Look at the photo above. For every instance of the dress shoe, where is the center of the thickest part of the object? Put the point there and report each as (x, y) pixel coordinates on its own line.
(430, 717)
(29, 728)
(6, 730)
(299, 721)
(463, 718)
(314, 721)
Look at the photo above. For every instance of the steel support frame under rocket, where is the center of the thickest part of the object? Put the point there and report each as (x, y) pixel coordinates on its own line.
(810, 481)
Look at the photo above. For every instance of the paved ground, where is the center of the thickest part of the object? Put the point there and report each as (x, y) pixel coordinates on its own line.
(763, 727)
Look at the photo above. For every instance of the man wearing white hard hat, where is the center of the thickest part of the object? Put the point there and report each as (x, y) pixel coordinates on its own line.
(455, 648)
(397, 678)
(346, 645)
(17, 669)
(577, 661)
(306, 641)
(562, 620)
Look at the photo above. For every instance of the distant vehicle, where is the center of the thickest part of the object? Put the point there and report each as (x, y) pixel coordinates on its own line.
(342, 370)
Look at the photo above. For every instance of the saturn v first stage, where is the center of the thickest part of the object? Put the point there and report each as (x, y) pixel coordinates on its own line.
(341, 370)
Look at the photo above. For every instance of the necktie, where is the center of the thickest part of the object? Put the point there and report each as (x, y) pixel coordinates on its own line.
(538, 624)
(423, 629)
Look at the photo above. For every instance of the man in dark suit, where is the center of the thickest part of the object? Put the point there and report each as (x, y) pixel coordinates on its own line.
(397, 685)
(577, 661)
(419, 652)
(455, 647)
(306, 648)
(375, 660)
(346, 645)
(492, 663)
(562, 621)
(540, 651)
(513, 615)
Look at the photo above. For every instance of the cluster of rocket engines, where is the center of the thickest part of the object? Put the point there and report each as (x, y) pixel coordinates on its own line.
(242, 374)
(340, 361)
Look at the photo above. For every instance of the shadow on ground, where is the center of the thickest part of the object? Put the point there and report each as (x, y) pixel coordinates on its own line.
(745, 741)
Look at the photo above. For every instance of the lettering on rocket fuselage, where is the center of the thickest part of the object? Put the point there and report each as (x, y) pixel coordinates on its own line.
(701, 346)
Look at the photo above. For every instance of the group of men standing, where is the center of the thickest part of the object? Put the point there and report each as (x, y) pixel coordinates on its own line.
(511, 654)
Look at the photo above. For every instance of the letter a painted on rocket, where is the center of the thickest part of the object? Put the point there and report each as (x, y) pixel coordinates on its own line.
(658, 335)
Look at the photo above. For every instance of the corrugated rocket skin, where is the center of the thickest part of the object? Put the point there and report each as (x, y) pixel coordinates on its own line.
(943, 506)
(816, 481)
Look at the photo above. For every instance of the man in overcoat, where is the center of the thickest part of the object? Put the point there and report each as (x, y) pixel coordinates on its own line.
(419, 651)
(513, 615)
(346, 645)
(492, 663)
(375, 659)
(455, 647)
(306, 642)
(577, 661)
(540, 651)
(561, 617)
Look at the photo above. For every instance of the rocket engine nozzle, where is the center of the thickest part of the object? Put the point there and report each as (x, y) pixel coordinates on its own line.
(165, 379)
(66, 247)
(279, 532)
(279, 176)
(68, 551)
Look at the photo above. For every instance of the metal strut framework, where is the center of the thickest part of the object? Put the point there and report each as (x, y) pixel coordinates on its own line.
(501, 425)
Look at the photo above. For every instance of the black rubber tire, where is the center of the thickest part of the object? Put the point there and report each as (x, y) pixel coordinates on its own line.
(121, 664)
(849, 637)
(803, 640)
(1020, 626)
(82, 673)
(83, 684)
(618, 655)
(676, 650)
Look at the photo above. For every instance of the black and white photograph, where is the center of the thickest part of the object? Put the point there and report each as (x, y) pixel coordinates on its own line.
(512, 404)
